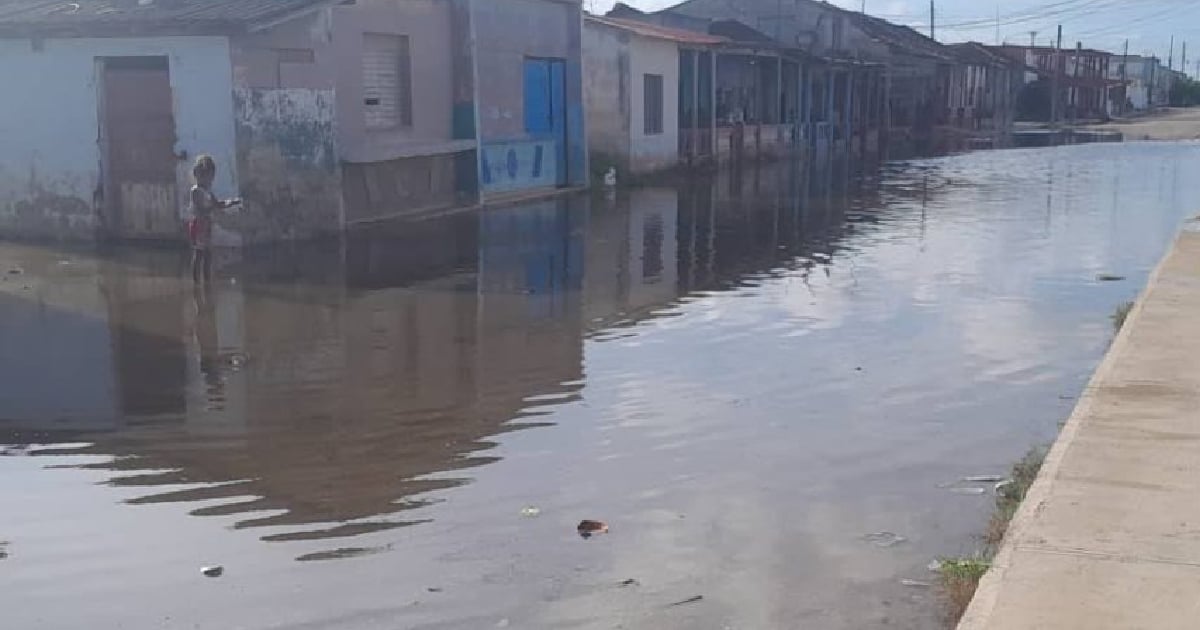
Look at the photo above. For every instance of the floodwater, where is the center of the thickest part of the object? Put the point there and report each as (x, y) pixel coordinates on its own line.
(750, 378)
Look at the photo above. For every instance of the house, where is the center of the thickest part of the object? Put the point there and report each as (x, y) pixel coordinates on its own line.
(1062, 84)
(1137, 74)
(984, 92)
(529, 95)
(108, 102)
(320, 114)
(772, 96)
(636, 119)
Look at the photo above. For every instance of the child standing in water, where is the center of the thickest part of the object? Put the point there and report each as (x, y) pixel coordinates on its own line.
(204, 205)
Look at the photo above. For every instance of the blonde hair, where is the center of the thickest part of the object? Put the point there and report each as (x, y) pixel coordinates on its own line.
(205, 165)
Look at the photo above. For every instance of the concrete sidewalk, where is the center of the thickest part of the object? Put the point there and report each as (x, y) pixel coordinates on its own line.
(1109, 536)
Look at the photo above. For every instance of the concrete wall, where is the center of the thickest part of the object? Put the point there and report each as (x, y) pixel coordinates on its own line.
(658, 151)
(506, 33)
(606, 92)
(50, 160)
(291, 180)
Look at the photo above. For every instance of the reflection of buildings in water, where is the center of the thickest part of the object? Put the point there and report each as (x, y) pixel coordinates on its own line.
(369, 370)
(350, 399)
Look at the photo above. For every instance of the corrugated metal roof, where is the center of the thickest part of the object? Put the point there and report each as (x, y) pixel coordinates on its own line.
(26, 18)
(655, 31)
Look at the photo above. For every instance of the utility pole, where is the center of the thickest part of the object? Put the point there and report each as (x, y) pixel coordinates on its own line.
(1057, 69)
(997, 24)
(1076, 93)
(864, 6)
(1124, 78)
(1171, 55)
(1032, 39)
(1183, 59)
(932, 21)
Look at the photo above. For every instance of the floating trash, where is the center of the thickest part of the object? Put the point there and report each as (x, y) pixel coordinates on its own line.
(884, 539)
(213, 572)
(935, 566)
(984, 478)
(530, 511)
(630, 582)
(1108, 277)
(916, 583)
(691, 600)
(968, 491)
(587, 528)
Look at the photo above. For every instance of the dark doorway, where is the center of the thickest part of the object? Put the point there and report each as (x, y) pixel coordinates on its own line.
(137, 127)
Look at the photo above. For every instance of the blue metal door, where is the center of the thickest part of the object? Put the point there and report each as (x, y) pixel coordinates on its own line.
(546, 113)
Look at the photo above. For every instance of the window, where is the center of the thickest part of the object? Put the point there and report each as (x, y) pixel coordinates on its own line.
(292, 65)
(652, 97)
(387, 81)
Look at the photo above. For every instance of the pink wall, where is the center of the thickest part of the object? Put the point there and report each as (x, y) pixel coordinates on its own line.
(335, 38)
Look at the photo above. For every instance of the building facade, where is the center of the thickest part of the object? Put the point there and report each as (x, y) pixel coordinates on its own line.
(319, 114)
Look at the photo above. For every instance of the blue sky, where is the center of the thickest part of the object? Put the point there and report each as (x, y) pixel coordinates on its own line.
(1148, 24)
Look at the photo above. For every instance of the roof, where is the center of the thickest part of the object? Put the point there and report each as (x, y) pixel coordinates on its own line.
(977, 54)
(1049, 49)
(897, 36)
(646, 29)
(30, 18)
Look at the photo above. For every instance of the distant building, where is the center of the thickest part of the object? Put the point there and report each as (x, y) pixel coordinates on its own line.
(1062, 85)
(1139, 75)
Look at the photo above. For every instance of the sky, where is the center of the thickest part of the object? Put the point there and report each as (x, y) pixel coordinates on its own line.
(1104, 24)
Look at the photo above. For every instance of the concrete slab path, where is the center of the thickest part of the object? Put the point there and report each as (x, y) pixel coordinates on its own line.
(1109, 535)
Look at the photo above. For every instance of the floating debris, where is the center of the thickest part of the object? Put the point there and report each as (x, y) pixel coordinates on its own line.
(884, 539)
(968, 491)
(16, 271)
(984, 478)
(630, 582)
(935, 566)
(691, 600)
(916, 583)
(3, 549)
(434, 589)
(213, 572)
(999, 487)
(587, 528)
(1108, 277)
(530, 511)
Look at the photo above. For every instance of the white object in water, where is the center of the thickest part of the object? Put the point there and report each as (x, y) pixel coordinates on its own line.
(610, 178)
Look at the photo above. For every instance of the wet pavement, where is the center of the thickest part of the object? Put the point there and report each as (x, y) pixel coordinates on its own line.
(755, 380)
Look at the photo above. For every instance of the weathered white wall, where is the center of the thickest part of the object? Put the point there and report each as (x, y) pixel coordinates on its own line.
(606, 93)
(654, 56)
(50, 158)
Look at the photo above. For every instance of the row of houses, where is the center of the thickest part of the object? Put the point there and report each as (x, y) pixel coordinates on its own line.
(328, 113)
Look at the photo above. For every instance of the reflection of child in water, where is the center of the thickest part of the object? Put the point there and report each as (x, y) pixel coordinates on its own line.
(204, 205)
(208, 343)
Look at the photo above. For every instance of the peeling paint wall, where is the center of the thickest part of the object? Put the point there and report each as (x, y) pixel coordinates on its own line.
(50, 158)
(286, 152)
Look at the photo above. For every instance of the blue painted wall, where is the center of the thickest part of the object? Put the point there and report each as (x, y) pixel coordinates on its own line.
(49, 125)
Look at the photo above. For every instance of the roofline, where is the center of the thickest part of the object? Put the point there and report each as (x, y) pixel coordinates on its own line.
(684, 37)
(166, 27)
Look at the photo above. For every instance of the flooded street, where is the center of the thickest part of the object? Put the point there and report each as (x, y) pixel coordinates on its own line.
(749, 378)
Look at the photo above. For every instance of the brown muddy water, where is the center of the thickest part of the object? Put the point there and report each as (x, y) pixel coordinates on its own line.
(750, 379)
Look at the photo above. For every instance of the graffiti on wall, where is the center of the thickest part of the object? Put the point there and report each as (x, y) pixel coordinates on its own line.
(506, 166)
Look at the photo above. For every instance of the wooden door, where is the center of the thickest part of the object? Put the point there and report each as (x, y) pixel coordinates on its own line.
(138, 128)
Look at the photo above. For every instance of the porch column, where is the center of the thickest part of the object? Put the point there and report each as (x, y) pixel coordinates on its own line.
(848, 105)
(694, 132)
(798, 134)
(712, 104)
(778, 89)
(831, 81)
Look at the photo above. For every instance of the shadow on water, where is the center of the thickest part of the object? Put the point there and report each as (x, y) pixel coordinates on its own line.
(814, 349)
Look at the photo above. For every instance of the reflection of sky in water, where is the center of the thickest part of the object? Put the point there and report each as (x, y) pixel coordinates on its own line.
(742, 389)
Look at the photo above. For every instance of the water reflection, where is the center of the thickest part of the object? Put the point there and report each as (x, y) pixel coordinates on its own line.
(661, 354)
